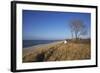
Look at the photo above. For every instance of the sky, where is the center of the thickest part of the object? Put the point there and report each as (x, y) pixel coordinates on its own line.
(51, 25)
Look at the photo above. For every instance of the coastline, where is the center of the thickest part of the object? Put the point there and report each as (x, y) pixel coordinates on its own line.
(29, 49)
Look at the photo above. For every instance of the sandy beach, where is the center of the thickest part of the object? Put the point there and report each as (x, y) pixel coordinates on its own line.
(29, 49)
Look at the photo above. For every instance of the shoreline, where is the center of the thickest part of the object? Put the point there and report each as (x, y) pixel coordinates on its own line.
(31, 48)
(43, 45)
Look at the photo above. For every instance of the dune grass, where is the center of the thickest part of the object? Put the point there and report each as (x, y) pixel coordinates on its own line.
(59, 52)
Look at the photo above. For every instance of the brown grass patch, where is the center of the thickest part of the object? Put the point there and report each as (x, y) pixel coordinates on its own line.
(59, 52)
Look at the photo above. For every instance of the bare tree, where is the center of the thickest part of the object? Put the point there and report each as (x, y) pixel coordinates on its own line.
(77, 28)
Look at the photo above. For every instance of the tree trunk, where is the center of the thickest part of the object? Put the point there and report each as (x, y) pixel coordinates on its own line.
(76, 37)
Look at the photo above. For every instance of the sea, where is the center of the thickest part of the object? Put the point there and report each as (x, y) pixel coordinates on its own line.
(29, 43)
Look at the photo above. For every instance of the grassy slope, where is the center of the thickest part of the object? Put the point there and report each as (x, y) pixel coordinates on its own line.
(59, 52)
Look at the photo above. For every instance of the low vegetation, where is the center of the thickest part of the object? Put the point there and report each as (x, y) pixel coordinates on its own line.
(73, 50)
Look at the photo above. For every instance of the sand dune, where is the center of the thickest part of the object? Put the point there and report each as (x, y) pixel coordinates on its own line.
(57, 51)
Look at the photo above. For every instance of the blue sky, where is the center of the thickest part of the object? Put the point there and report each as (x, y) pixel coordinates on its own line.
(50, 25)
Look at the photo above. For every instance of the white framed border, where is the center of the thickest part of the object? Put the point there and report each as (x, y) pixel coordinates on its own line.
(41, 65)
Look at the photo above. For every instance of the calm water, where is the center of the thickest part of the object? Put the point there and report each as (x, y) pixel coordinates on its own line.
(29, 43)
